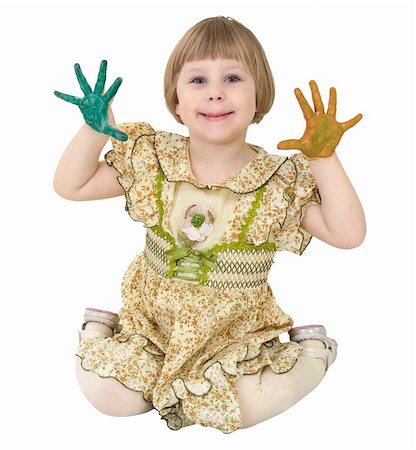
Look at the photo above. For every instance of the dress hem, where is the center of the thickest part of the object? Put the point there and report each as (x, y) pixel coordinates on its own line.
(171, 413)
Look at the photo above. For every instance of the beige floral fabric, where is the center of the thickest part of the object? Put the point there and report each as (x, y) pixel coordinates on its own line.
(184, 344)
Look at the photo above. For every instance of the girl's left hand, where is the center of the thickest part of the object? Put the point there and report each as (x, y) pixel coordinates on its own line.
(323, 132)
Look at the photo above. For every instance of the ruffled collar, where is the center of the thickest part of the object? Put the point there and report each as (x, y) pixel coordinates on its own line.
(172, 151)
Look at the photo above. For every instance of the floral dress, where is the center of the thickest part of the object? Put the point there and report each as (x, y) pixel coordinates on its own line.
(198, 312)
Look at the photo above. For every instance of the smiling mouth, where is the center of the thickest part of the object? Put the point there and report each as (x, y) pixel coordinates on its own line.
(214, 116)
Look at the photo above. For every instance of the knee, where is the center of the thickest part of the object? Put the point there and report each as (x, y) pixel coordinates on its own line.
(307, 375)
(261, 409)
(259, 400)
(109, 396)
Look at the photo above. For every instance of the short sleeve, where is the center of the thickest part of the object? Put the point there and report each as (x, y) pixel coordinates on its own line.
(137, 163)
(299, 191)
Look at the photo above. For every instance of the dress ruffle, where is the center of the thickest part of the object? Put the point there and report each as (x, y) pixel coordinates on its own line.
(296, 189)
(137, 163)
(186, 362)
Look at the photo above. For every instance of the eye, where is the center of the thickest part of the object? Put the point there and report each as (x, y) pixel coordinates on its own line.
(198, 80)
(233, 78)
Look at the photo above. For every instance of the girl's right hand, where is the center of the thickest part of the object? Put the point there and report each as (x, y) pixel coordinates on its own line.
(93, 106)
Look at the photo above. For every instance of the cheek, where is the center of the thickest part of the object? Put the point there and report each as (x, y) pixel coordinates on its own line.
(252, 102)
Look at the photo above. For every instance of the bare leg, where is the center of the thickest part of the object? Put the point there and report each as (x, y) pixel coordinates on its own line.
(108, 395)
(267, 394)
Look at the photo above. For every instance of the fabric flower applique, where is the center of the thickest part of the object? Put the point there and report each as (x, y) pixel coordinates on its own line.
(197, 225)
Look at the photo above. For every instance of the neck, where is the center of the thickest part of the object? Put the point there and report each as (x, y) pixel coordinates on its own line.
(218, 155)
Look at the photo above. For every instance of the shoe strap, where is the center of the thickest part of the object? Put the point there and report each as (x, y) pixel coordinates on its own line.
(322, 353)
(86, 334)
(327, 354)
(116, 328)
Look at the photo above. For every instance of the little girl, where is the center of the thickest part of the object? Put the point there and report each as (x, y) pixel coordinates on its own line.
(199, 333)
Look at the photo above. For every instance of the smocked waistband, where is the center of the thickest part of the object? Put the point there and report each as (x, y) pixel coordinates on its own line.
(226, 268)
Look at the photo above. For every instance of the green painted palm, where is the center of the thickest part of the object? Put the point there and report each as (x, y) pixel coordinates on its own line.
(94, 105)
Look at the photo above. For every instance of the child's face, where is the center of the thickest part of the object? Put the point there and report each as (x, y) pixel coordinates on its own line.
(216, 99)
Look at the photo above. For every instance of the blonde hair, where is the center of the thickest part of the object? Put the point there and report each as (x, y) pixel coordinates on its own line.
(226, 38)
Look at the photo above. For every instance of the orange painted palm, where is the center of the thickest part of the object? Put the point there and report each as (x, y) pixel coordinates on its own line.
(323, 132)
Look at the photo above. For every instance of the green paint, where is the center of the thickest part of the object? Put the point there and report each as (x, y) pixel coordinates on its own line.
(94, 105)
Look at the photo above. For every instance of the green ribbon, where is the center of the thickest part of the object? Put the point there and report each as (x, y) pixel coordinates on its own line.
(203, 258)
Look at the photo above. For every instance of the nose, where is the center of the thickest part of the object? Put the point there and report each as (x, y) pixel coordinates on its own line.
(215, 92)
(216, 97)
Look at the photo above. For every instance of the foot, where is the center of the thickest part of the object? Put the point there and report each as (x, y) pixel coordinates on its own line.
(94, 329)
(327, 353)
(99, 322)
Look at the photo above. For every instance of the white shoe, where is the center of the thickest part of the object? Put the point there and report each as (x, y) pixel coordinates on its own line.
(106, 317)
(318, 332)
(101, 316)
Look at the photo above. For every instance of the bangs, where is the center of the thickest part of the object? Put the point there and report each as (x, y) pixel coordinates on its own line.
(215, 40)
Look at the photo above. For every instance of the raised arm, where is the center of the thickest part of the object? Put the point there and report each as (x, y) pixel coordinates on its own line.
(339, 220)
(79, 175)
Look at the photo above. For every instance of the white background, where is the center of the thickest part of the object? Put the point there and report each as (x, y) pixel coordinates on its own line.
(60, 256)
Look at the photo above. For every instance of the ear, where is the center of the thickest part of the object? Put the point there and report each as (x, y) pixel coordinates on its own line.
(177, 109)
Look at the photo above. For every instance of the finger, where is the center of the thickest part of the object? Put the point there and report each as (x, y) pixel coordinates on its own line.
(68, 98)
(85, 87)
(112, 90)
(332, 104)
(316, 96)
(307, 110)
(350, 123)
(289, 144)
(99, 85)
(116, 134)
